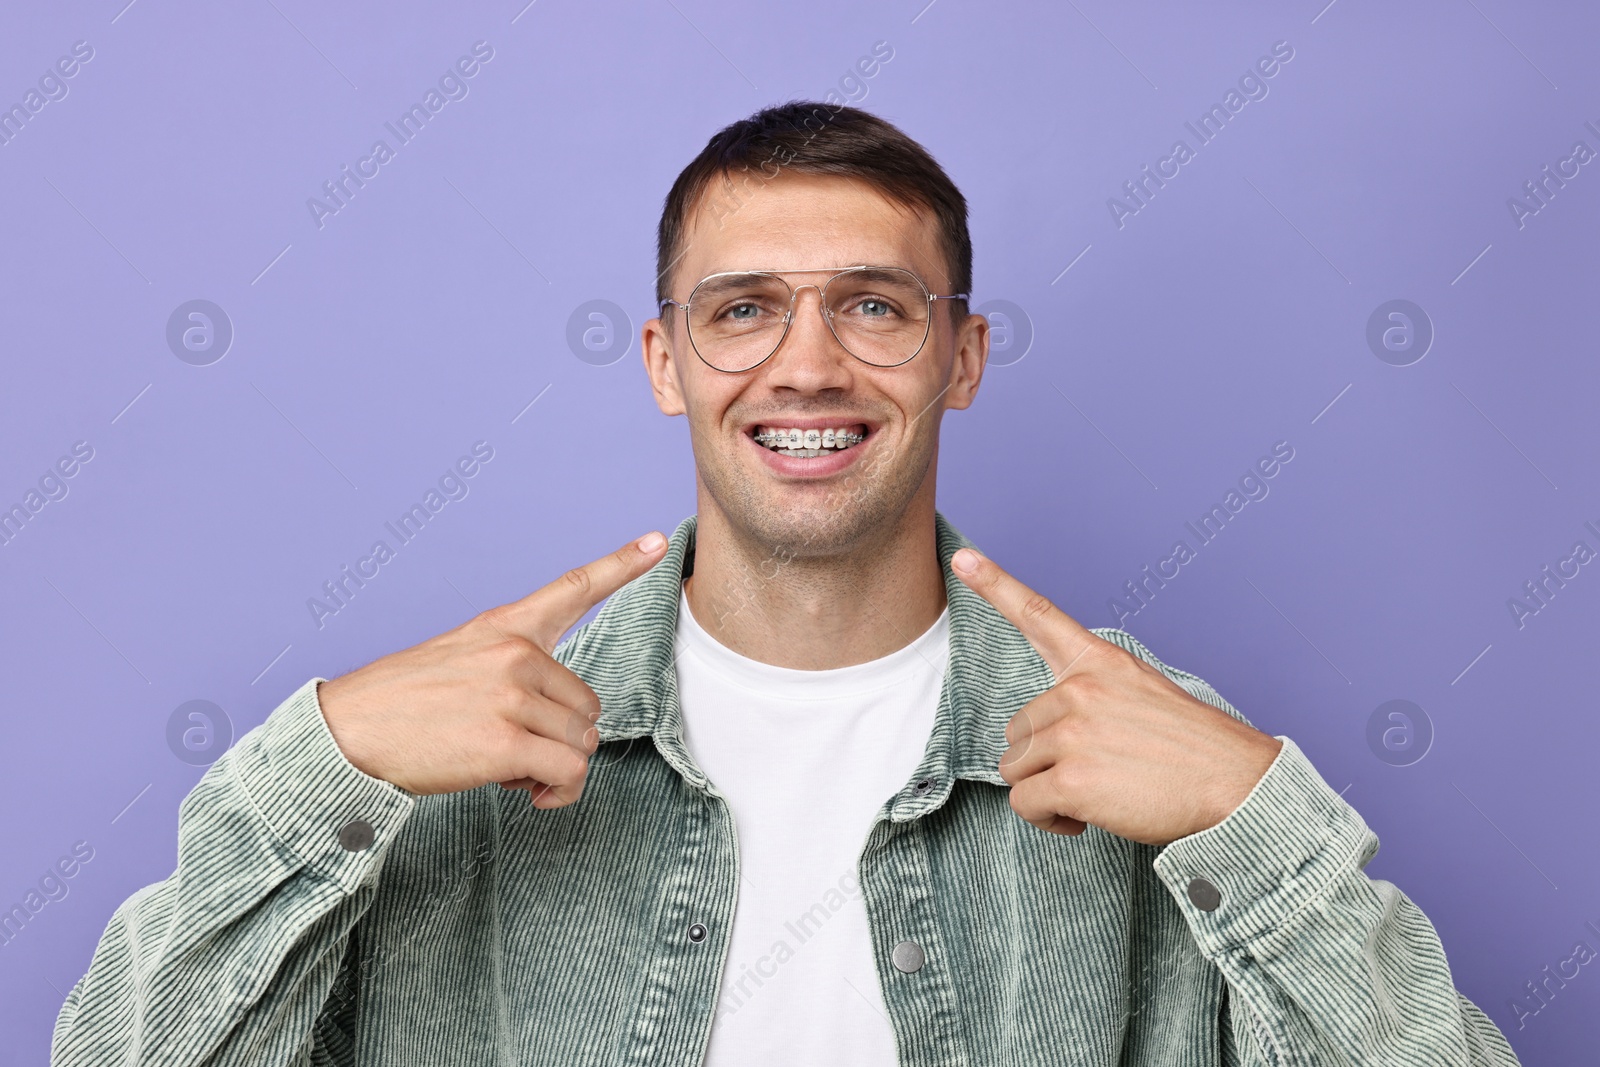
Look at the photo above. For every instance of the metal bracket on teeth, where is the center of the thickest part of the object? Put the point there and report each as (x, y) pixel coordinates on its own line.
(774, 438)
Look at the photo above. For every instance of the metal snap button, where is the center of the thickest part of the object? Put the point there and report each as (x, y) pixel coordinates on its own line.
(357, 835)
(697, 932)
(908, 957)
(923, 787)
(1205, 896)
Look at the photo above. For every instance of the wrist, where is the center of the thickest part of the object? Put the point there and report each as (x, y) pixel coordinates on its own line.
(331, 706)
(1256, 754)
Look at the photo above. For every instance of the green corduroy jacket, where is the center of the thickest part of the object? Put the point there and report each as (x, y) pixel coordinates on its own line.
(319, 916)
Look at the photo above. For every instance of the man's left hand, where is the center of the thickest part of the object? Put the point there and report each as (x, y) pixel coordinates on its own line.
(1113, 742)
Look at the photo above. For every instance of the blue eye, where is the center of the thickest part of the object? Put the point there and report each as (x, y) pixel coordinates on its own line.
(743, 311)
(872, 307)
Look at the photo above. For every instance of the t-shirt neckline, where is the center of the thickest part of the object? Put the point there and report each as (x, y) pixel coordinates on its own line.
(928, 652)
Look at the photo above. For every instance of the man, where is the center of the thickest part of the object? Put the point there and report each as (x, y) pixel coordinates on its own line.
(819, 784)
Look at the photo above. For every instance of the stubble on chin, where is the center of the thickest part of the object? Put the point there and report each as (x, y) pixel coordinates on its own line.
(864, 503)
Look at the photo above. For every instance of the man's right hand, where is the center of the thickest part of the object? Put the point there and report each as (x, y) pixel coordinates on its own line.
(486, 702)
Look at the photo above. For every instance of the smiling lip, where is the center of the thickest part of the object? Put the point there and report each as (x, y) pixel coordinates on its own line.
(795, 467)
(798, 423)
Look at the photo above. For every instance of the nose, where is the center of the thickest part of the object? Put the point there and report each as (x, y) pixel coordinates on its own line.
(809, 358)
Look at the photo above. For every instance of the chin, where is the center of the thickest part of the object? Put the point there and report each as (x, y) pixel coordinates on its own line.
(797, 521)
(843, 508)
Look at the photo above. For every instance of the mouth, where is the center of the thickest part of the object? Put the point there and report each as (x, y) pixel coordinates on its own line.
(810, 441)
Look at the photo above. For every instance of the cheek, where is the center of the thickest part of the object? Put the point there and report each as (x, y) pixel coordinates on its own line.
(710, 404)
(918, 396)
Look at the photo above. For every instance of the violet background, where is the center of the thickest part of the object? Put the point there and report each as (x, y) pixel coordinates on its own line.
(1228, 314)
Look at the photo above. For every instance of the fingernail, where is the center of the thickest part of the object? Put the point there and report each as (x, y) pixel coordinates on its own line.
(965, 560)
(651, 542)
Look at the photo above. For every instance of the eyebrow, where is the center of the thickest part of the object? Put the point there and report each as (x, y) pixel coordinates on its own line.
(719, 285)
(732, 279)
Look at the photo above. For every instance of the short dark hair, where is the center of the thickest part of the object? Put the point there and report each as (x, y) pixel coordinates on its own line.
(816, 138)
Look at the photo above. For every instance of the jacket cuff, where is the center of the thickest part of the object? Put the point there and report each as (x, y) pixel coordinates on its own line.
(1278, 851)
(309, 795)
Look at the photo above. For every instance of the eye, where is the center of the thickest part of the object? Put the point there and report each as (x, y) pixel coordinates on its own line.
(742, 312)
(873, 307)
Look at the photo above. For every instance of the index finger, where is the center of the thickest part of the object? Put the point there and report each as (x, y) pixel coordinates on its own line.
(1053, 633)
(548, 612)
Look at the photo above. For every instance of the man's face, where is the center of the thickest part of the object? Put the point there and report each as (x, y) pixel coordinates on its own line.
(823, 505)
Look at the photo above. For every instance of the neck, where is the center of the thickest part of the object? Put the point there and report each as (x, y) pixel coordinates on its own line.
(821, 612)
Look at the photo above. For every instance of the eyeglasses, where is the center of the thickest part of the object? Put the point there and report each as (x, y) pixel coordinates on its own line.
(880, 315)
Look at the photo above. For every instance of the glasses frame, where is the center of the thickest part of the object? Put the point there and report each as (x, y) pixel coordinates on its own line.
(822, 308)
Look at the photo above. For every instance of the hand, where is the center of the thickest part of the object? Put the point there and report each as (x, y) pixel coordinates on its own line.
(1114, 742)
(486, 702)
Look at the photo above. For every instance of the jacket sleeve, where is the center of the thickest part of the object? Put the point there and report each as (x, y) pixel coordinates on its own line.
(233, 958)
(1323, 965)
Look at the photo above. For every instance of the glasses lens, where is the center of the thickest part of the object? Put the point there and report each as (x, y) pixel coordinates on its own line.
(879, 314)
(736, 320)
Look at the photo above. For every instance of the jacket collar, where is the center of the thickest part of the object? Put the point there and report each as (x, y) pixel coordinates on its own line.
(626, 655)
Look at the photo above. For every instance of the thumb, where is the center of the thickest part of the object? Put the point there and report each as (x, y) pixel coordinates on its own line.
(546, 613)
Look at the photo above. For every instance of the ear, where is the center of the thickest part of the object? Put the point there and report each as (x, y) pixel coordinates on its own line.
(655, 344)
(971, 356)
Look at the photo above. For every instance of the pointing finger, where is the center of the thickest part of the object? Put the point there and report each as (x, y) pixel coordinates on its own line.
(1053, 633)
(545, 614)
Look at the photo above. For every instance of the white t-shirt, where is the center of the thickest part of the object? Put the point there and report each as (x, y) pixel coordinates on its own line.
(805, 759)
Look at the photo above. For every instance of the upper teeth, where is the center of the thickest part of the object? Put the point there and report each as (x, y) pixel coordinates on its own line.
(779, 437)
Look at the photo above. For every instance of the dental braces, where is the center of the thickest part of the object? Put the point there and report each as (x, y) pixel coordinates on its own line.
(811, 438)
